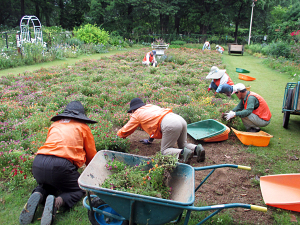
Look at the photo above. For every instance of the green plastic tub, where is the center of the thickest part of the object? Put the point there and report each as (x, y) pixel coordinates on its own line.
(205, 129)
(240, 70)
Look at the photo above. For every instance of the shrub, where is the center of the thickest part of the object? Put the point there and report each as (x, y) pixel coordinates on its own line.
(92, 34)
(178, 42)
(280, 48)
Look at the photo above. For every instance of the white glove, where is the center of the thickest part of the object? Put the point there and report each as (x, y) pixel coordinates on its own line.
(229, 115)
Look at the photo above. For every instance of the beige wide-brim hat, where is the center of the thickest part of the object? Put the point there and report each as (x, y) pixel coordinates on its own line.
(215, 73)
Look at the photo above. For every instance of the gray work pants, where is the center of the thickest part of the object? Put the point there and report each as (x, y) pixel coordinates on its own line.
(174, 129)
(254, 121)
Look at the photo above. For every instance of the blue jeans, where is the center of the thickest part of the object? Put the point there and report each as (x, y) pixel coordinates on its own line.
(226, 88)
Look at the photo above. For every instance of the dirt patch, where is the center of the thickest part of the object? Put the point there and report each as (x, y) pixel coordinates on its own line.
(225, 185)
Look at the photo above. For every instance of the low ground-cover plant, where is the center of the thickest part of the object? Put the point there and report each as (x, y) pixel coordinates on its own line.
(105, 87)
(148, 178)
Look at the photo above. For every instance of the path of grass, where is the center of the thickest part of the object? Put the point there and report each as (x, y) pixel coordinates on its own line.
(57, 62)
(270, 85)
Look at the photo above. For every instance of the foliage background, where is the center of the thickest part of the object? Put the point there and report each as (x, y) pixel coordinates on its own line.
(219, 21)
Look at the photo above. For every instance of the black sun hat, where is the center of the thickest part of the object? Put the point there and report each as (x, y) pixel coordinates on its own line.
(135, 104)
(74, 110)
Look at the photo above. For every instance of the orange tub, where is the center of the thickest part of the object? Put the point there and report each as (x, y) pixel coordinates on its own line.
(260, 139)
(281, 191)
(220, 137)
(246, 77)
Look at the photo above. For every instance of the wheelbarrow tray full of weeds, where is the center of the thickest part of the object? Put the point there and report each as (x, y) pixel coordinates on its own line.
(119, 207)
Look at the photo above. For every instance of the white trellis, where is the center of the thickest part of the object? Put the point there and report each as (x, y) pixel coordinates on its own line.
(25, 25)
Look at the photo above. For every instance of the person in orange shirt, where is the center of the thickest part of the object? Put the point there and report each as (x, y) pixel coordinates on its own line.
(68, 146)
(252, 109)
(221, 82)
(206, 45)
(161, 123)
(220, 49)
(149, 59)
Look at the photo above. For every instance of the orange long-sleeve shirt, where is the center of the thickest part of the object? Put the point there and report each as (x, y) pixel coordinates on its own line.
(147, 117)
(71, 140)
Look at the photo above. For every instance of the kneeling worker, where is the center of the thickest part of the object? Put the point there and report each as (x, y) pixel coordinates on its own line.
(221, 82)
(252, 109)
(161, 123)
(149, 58)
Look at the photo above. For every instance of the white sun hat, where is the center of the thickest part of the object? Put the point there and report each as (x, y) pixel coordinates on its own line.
(238, 87)
(215, 73)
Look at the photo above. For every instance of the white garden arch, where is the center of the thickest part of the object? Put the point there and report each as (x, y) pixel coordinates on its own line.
(25, 25)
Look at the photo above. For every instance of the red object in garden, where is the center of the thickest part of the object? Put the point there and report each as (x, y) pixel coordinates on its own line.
(281, 191)
(246, 77)
(221, 137)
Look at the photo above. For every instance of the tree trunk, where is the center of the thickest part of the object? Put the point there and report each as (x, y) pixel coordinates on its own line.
(177, 22)
(61, 17)
(22, 8)
(164, 23)
(237, 22)
(37, 10)
(130, 17)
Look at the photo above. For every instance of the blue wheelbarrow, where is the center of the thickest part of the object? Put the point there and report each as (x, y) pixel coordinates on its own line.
(107, 206)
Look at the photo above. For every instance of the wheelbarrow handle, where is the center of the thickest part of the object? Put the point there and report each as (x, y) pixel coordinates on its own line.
(244, 167)
(221, 166)
(259, 208)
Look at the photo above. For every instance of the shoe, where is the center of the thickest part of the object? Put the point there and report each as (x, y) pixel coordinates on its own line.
(187, 154)
(58, 203)
(49, 211)
(200, 153)
(30, 207)
(253, 129)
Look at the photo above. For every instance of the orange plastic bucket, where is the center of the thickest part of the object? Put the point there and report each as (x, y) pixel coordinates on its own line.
(281, 191)
(246, 77)
(261, 138)
(220, 137)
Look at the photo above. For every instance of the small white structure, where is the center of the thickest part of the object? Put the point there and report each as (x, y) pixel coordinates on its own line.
(25, 35)
(160, 49)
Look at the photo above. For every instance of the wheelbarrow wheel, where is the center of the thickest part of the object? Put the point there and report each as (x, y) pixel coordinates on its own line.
(96, 218)
(288, 105)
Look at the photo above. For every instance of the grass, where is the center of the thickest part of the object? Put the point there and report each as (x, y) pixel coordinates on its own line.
(275, 158)
(269, 83)
(66, 62)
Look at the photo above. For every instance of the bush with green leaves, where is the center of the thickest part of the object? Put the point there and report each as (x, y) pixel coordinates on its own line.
(91, 34)
(178, 42)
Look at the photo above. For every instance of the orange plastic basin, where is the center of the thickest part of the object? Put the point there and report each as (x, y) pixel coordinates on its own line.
(219, 137)
(281, 191)
(246, 77)
(261, 138)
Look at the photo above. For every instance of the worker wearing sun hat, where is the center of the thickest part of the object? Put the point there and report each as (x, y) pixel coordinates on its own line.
(69, 145)
(149, 58)
(252, 109)
(161, 123)
(220, 49)
(206, 45)
(221, 82)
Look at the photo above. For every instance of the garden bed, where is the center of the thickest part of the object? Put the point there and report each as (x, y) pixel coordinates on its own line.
(105, 87)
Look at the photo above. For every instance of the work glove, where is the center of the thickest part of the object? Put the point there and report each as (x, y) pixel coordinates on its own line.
(208, 89)
(229, 115)
(145, 141)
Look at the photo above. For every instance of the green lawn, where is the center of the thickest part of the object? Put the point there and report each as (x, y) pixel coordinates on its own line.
(270, 85)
